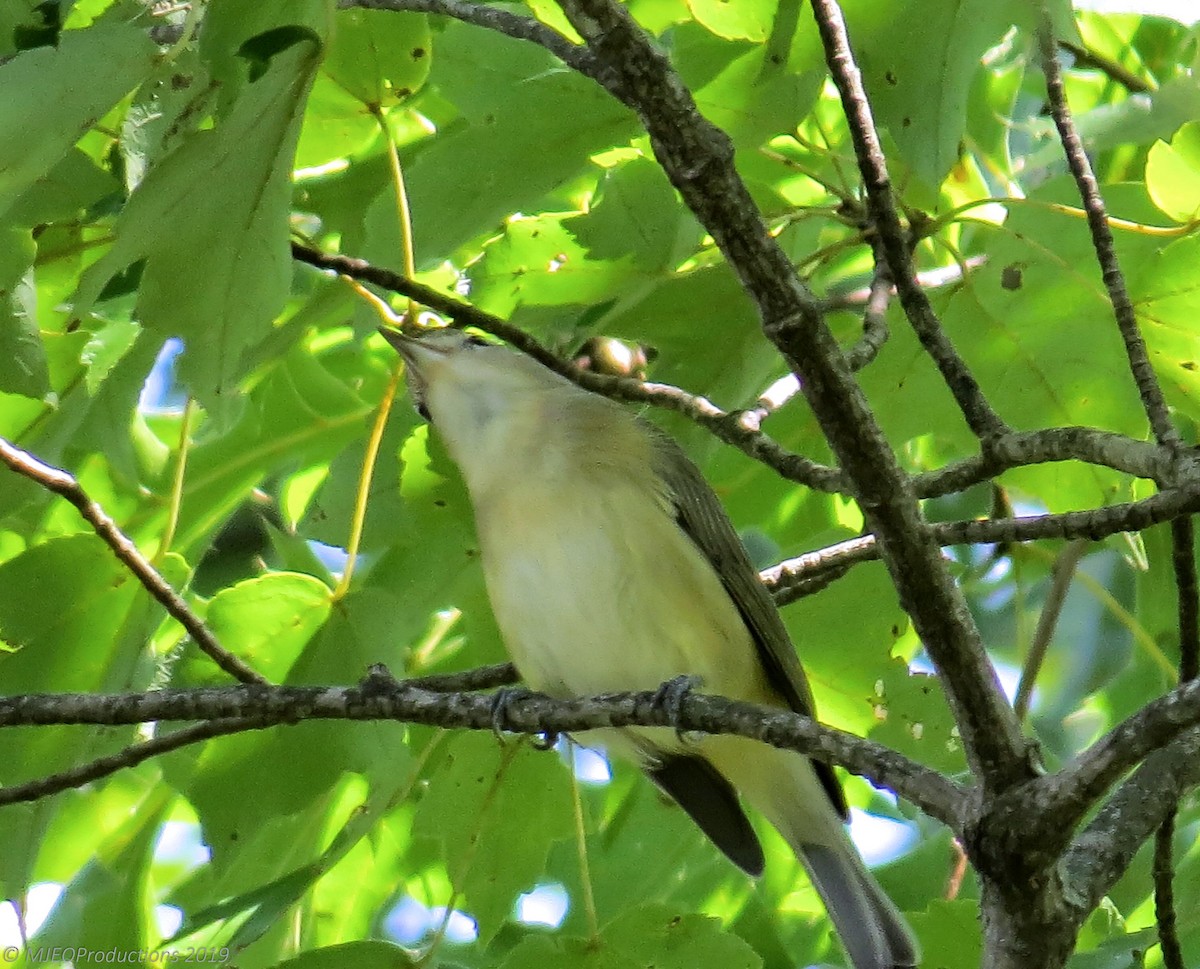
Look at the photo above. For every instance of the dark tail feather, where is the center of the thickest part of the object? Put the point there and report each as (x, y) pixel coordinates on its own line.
(712, 803)
(870, 926)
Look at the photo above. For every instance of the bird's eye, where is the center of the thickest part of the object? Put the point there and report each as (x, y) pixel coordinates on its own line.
(474, 341)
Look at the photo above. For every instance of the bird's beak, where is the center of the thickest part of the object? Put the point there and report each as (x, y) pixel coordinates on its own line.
(414, 350)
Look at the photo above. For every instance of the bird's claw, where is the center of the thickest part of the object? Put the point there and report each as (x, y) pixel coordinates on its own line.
(670, 695)
(500, 702)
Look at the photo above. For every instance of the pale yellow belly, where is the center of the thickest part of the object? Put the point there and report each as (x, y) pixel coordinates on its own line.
(620, 599)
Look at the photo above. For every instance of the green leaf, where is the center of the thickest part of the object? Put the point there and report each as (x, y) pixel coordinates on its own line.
(738, 87)
(650, 935)
(637, 214)
(1173, 174)
(919, 80)
(41, 95)
(654, 935)
(74, 184)
(211, 223)
(369, 954)
(97, 913)
(516, 103)
(735, 19)
(23, 367)
(537, 262)
(949, 933)
(267, 621)
(495, 813)
(379, 56)
(536, 952)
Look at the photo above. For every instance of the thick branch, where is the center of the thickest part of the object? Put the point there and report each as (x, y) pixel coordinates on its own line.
(382, 698)
(1054, 805)
(1104, 849)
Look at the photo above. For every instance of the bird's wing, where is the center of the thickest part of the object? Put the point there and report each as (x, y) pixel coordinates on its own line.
(702, 518)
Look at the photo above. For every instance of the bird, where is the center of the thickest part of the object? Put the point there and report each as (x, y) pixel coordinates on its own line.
(611, 566)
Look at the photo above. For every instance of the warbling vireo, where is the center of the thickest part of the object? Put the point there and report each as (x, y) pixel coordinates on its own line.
(611, 566)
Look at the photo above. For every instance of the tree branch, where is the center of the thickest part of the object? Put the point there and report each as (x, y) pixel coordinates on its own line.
(1094, 524)
(1101, 853)
(1054, 805)
(875, 329)
(740, 429)
(1060, 583)
(1086, 57)
(1146, 380)
(379, 697)
(1183, 559)
(511, 25)
(727, 427)
(1018, 449)
(1163, 875)
(64, 485)
(893, 240)
(482, 678)
(129, 756)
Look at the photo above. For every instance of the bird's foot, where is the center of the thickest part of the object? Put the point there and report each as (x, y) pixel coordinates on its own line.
(500, 703)
(670, 695)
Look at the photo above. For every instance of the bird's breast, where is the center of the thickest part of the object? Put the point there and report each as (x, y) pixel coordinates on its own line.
(596, 589)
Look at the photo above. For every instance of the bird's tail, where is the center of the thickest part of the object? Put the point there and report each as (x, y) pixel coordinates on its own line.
(787, 790)
(869, 924)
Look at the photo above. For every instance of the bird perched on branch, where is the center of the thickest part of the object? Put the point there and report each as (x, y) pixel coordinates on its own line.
(611, 566)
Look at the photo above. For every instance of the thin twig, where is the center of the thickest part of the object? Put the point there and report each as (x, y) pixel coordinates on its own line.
(1060, 582)
(875, 328)
(727, 427)
(64, 485)
(129, 756)
(511, 25)
(1144, 378)
(789, 580)
(1183, 560)
(1086, 57)
(1164, 894)
(893, 239)
(770, 400)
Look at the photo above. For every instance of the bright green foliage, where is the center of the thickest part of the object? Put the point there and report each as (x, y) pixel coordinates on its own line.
(148, 190)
